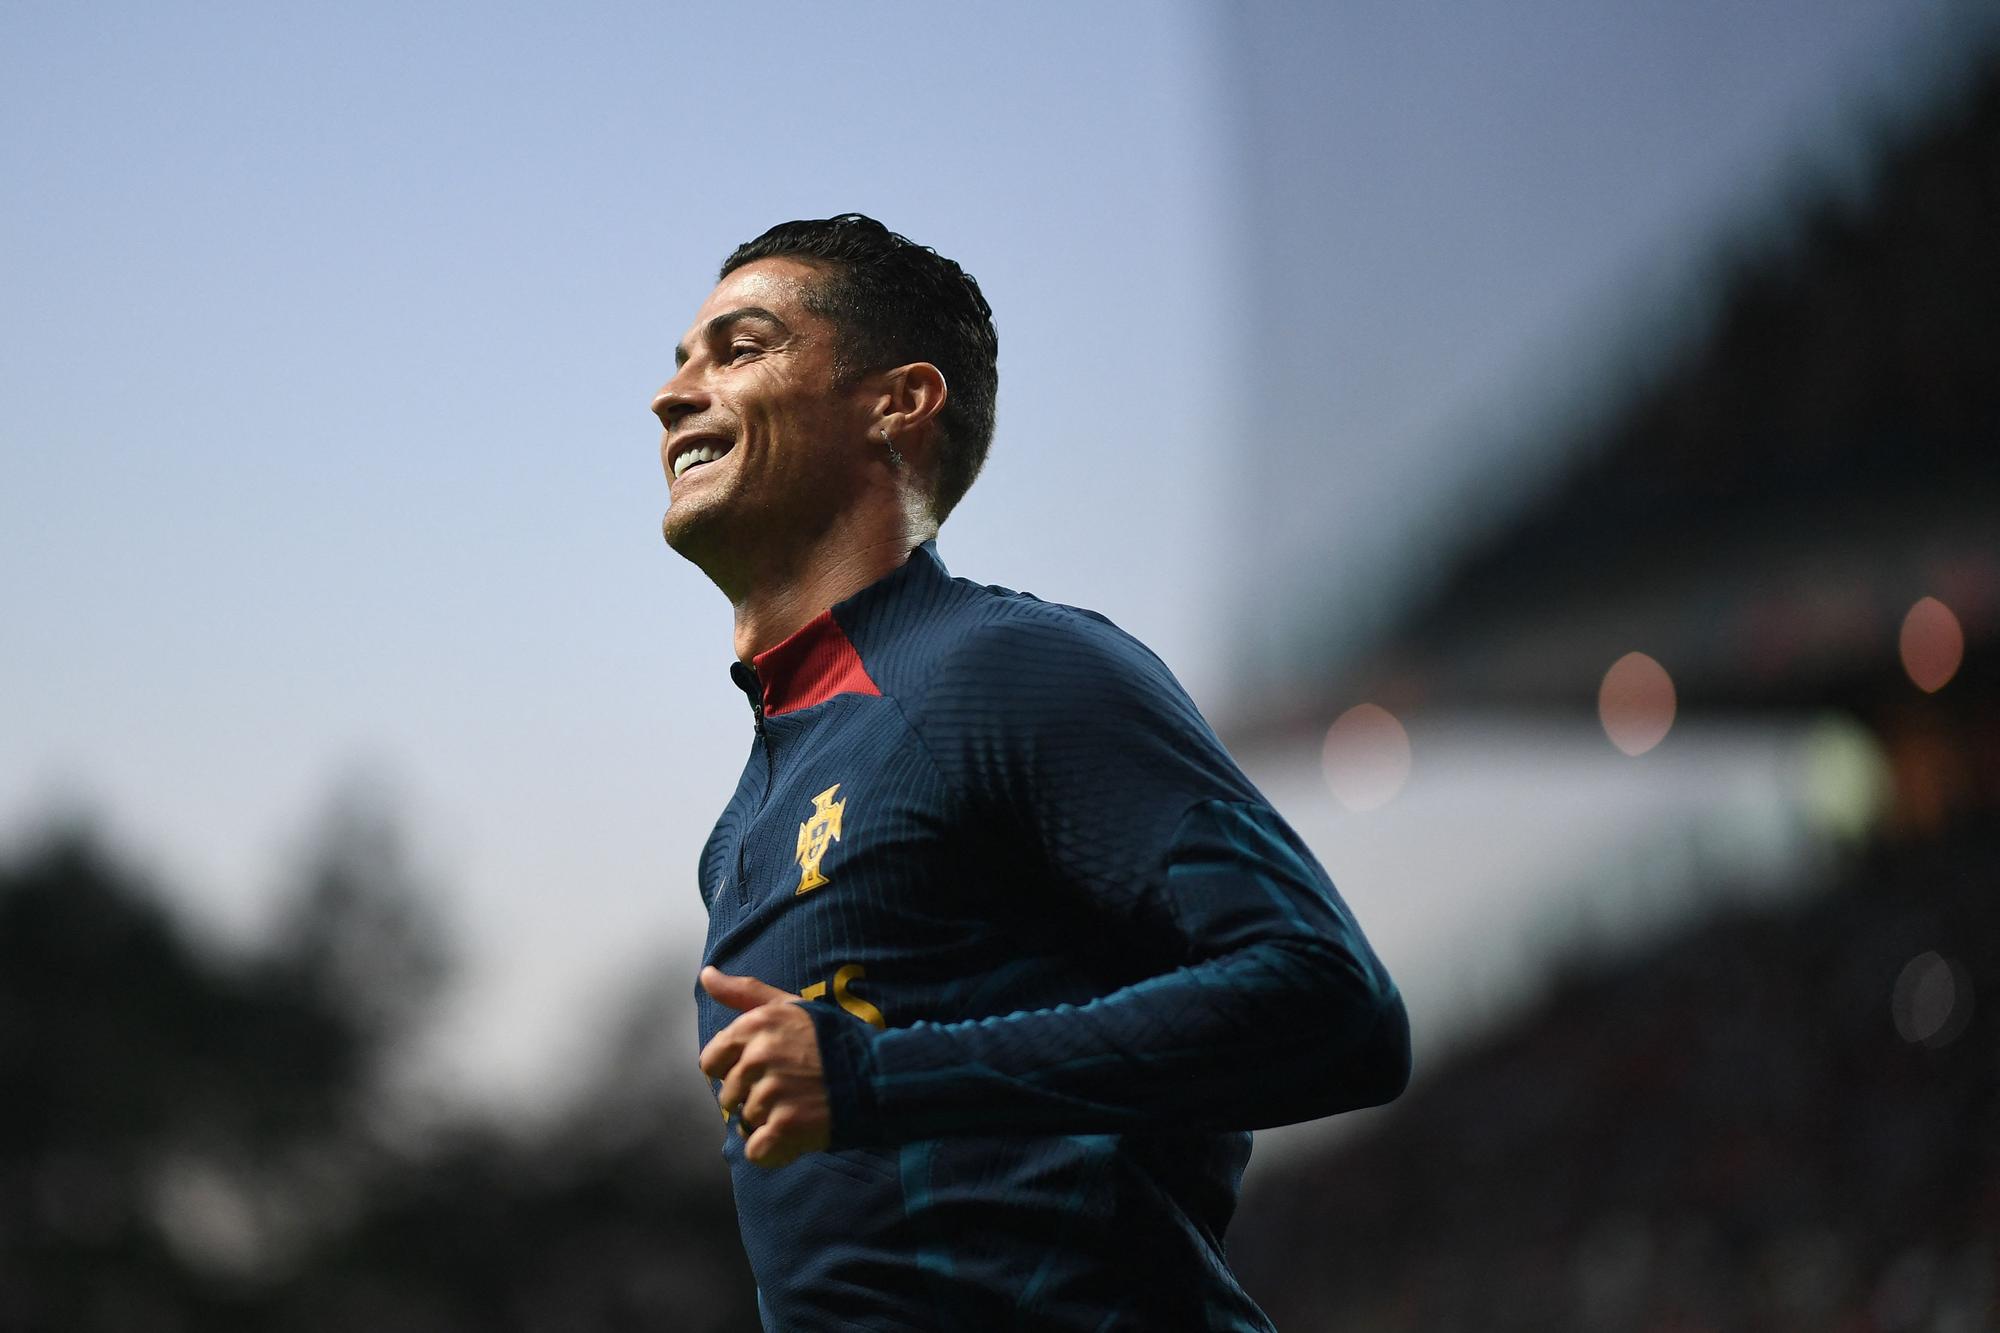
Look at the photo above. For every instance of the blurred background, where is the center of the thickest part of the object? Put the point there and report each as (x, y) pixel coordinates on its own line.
(1554, 442)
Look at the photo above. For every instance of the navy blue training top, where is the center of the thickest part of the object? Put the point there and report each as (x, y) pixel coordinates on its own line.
(1061, 957)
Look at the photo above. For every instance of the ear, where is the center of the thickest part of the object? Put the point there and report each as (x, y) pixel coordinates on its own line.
(913, 395)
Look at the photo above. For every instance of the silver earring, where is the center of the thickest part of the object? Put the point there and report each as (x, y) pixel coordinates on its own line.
(895, 458)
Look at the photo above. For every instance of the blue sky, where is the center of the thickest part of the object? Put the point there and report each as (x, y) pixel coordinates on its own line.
(332, 330)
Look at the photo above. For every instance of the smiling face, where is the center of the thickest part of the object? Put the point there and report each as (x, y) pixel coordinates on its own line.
(761, 439)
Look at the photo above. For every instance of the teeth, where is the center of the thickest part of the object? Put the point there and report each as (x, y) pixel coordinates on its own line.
(701, 453)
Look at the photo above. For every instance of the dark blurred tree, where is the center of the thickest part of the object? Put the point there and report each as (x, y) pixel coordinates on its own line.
(142, 1083)
(361, 931)
(615, 1217)
(196, 1141)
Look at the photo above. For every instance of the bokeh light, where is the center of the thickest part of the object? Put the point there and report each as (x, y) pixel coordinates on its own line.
(1932, 645)
(1932, 1001)
(1845, 783)
(1366, 757)
(1636, 703)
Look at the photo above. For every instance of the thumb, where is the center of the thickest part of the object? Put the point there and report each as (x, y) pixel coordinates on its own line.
(740, 992)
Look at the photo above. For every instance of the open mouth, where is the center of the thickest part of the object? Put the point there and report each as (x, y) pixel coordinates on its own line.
(687, 457)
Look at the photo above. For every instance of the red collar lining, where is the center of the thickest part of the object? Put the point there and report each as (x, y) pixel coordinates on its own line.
(814, 664)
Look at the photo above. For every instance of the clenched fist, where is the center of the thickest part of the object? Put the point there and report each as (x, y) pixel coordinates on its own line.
(768, 1061)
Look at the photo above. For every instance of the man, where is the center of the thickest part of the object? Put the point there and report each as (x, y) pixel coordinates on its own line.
(1005, 955)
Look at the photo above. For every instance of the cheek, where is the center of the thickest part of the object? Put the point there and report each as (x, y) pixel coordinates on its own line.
(764, 412)
(785, 427)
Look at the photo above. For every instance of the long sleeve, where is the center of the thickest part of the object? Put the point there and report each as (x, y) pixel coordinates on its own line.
(1268, 1007)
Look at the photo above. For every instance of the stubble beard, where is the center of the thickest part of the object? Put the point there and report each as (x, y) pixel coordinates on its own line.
(701, 535)
(743, 543)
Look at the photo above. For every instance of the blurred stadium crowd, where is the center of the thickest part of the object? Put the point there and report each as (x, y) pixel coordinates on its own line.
(1779, 1118)
(1784, 1117)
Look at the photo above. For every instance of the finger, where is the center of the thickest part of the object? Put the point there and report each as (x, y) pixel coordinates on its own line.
(740, 993)
(761, 1104)
(769, 1147)
(736, 1089)
(727, 1047)
(724, 1049)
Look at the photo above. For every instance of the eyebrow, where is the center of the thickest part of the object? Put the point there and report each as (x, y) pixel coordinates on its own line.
(723, 322)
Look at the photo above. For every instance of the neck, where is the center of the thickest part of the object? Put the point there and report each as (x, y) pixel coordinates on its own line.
(773, 605)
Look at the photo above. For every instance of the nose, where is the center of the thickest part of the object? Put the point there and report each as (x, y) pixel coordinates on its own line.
(681, 398)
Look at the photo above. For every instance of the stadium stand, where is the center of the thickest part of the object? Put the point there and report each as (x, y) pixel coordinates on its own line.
(1781, 1116)
(1761, 510)
(1752, 1126)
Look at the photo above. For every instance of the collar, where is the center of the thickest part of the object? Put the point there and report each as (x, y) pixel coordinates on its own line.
(818, 660)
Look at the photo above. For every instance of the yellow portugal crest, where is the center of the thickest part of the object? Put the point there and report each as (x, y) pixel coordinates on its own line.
(820, 831)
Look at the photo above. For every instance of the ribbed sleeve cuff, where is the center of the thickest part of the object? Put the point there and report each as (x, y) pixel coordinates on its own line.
(847, 1060)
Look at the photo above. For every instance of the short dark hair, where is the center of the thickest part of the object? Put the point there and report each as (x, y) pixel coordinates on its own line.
(895, 302)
